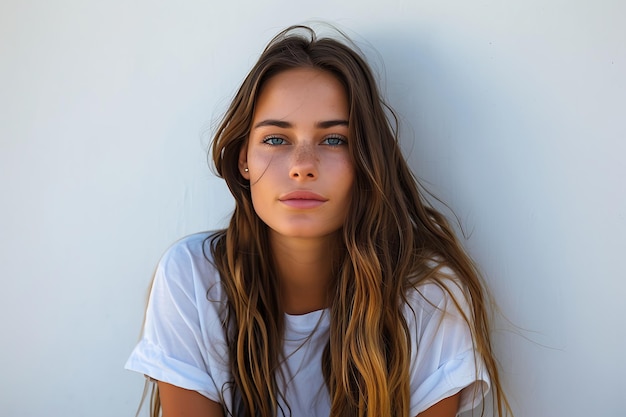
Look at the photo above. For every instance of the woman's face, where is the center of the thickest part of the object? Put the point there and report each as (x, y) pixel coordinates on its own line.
(297, 158)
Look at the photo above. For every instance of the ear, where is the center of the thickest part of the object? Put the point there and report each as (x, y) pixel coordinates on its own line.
(243, 162)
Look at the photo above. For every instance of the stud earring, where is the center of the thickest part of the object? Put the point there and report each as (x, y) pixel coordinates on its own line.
(246, 170)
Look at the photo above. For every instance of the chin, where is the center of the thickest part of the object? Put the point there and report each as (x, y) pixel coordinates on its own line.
(309, 232)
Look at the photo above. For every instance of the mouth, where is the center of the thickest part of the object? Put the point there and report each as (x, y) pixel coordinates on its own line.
(302, 199)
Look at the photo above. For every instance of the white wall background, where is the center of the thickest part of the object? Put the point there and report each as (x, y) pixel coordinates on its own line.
(513, 112)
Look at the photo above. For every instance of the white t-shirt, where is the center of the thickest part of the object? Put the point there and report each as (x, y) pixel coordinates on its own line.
(183, 340)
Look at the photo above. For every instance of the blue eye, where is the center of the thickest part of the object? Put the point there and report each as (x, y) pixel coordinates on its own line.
(274, 140)
(334, 141)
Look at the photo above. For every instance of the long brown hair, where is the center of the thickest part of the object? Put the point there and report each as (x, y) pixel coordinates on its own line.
(392, 240)
(391, 237)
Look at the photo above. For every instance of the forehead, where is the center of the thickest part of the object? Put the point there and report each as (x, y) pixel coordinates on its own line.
(301, 92)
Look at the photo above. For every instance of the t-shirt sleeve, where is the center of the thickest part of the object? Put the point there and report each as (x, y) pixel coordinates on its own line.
(172, 348)
(443, 358)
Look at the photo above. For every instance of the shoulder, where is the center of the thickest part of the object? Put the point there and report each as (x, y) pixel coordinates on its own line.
(189, 248)
(187, 266)
(191, 254)
(443, 356)
(183, 342)
(444, 292)
(439, 304)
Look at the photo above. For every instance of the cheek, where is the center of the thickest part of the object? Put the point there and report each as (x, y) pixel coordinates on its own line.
(344, 173)
(260, 160)
(260, 202)
(263, 185)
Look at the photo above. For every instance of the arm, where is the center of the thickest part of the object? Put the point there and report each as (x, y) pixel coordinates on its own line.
(446, 361)
(180, 402)
(173, 348)
(448, 407)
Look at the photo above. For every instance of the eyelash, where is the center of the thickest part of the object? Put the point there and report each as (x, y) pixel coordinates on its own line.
(268, 140)
(341, 140)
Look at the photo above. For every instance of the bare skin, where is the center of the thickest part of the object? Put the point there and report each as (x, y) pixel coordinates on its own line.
(179, 402)
(304, 273)
(447, 407)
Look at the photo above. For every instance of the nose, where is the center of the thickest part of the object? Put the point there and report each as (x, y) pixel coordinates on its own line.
(304, 164)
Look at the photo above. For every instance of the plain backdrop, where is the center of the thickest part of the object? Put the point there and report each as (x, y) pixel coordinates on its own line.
(512, 112)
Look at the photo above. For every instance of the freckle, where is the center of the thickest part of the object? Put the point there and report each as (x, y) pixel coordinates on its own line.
(304, 153)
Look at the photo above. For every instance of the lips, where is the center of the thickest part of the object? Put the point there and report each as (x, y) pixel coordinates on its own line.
(302, 199)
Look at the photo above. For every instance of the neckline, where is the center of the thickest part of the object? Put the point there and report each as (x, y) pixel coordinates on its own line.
(298, 326)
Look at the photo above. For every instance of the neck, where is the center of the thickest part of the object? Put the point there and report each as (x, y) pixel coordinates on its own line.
(305, 269)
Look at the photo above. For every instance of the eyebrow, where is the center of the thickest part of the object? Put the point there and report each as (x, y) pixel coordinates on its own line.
(286, 125)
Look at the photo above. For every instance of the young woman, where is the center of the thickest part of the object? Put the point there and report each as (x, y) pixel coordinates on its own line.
(336, 290)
